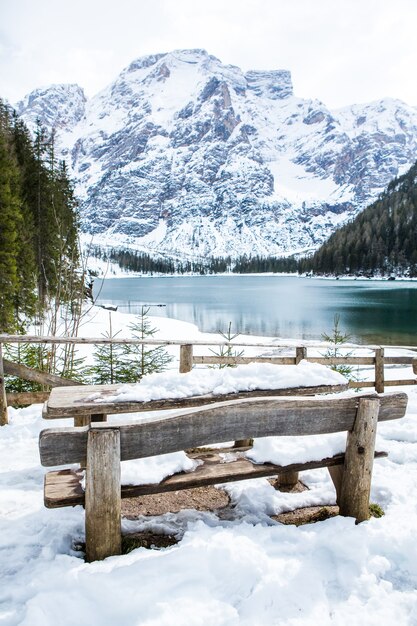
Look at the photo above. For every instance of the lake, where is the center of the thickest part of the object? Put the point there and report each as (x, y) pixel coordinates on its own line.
(281, 306)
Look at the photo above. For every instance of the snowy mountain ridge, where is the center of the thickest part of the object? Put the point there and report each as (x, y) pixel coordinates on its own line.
(184, 155)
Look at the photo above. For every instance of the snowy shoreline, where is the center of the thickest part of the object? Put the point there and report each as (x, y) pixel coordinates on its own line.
(115, 272)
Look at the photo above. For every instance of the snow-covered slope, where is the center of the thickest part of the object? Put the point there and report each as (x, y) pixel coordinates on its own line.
(58, 106)
(182, 154)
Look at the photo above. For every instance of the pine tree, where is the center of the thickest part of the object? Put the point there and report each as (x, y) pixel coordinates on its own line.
(10, 218)
(227, 351)
(143, 359)
(108, 365)
(381, 239)
(39, 254)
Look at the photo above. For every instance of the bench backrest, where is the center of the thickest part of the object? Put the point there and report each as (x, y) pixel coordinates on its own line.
(220, 422)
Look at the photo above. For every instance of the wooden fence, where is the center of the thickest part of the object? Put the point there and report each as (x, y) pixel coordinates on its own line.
(378, 361)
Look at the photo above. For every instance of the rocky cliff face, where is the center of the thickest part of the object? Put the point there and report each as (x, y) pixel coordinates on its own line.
(185, 155)
(58, 106)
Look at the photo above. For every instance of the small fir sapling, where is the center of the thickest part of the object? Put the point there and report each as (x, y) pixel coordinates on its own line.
(143, 359)
(338, 339)
(227, 351)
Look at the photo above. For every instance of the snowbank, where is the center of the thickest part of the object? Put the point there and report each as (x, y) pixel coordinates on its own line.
(246, 570)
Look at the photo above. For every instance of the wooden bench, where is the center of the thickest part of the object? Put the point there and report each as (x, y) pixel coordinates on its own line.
(101, 446)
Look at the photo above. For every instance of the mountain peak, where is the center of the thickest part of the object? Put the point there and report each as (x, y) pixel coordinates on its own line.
(59, 106)
(183, 154)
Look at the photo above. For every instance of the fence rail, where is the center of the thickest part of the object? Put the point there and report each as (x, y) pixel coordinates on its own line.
(187, 359)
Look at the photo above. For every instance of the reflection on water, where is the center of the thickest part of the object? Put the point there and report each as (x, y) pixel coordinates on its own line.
(304, 308)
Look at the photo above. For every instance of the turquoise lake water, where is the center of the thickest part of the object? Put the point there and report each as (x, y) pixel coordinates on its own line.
(282, 306)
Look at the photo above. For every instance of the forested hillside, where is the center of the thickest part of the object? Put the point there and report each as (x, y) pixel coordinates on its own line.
(39, 255)
(134, 261)
(380, 240)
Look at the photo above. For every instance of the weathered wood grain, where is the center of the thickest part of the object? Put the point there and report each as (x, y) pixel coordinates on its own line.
(37, 376)
(357, 384)
(398, 360)
(336, 474)
(289, 479)
(300, 354)
(379, 370)
(51, 339)
(186, 358)
(63, 488)
(288, 360)
(65, 402)
(24, 398)
(342, 360)
(224, 421)
(241, 360)
(397, 383)
(102, 494)
(359, 456)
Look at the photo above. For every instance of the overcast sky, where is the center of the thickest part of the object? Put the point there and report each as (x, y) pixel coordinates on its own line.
(338, 51)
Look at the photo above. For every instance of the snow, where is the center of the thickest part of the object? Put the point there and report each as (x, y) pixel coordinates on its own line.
(241, 569)
(150, 145)
(155, 468)
(296, 185)
(249, 377)
(297, 449)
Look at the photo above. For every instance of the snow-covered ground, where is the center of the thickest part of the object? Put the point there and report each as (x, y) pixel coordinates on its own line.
(247, 570)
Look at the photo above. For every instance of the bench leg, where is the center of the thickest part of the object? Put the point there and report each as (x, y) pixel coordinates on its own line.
(286, 480)
(85, 420)
(359, 458)
(336, 474)
(102, 494)
(243, 443)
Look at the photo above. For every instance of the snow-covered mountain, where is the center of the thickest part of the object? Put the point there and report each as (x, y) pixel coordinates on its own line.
(182, 154)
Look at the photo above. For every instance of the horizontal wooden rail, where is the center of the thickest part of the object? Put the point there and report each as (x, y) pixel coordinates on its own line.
(36, 376)
(52, 339)
(287, 360)
(24, 398)
(343, 360)
(241, 360)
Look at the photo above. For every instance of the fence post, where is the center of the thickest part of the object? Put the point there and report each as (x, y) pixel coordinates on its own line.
(3, 400)
(186, 358)
(379, 370)
(300, 354)
(290, 479)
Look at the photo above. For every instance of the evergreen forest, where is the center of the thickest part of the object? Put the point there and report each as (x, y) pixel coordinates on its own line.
(134, 261)
(39, 252)
(381, 240)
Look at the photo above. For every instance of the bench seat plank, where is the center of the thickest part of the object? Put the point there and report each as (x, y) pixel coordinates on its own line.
(63, 487)
(83, 400)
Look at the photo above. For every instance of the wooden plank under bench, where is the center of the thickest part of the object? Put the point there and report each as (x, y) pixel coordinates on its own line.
(63, 487)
